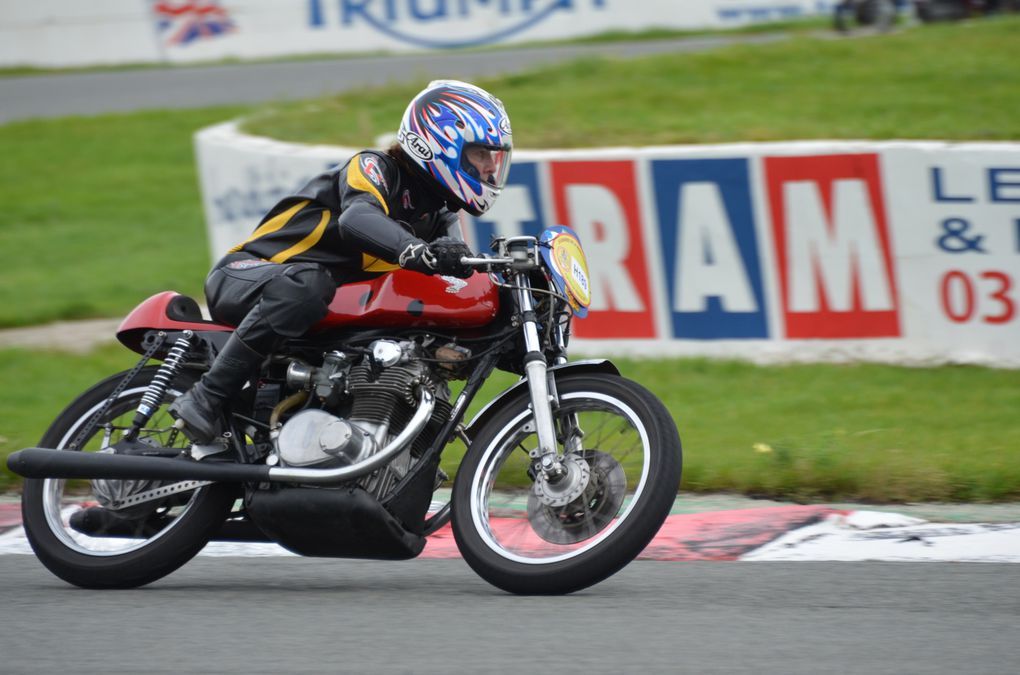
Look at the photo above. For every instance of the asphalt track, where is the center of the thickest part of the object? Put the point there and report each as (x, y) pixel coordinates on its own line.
(287, 615)
(90, 93)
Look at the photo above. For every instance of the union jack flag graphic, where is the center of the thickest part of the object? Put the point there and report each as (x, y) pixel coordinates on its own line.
(182, 23)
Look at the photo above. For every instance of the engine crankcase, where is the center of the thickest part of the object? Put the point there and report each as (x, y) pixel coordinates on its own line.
(317, 438)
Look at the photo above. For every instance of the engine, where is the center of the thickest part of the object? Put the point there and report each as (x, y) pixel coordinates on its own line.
(354, 407)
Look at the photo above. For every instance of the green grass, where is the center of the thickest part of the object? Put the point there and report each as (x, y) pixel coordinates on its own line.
(98, 213)
(956, 81)
(37, 385)
(803, 432)
(864, 432)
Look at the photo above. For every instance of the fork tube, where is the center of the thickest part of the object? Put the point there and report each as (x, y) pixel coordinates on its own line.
(536, 368)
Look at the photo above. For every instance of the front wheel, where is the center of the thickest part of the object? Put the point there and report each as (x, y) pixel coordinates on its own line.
(529, 534)
(119, 533)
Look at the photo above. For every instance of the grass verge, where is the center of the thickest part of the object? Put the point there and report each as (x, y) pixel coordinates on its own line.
(950, 81)
(99, 213)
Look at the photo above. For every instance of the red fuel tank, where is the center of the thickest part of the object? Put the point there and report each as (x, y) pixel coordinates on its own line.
(408, 299)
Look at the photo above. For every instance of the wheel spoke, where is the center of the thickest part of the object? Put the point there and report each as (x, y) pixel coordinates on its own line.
(98, 531)
(562, 529)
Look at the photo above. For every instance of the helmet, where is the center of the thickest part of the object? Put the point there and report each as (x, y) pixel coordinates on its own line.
(459, 135)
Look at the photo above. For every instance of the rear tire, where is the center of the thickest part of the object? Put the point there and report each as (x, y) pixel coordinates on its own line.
(169, 532)
(527, 544)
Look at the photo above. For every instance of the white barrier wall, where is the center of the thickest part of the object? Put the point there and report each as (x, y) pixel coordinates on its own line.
(895, 251)
(64, 33)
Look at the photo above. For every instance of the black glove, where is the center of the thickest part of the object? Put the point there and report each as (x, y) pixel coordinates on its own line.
(418, 257)
(448, 252)
(440, 257)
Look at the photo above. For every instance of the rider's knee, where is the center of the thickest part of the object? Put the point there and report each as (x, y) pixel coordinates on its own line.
(298, 299)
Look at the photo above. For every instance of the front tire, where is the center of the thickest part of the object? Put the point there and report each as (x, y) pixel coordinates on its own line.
(527, 537)
(138, 545)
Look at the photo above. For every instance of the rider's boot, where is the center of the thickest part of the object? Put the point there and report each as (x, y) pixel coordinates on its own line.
(199, 411)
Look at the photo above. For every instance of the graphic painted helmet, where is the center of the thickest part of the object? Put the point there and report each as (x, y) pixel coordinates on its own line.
(460, 136)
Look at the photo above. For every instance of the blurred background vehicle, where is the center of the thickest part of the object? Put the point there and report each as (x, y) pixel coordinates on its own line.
(878, 13)
(953, 10)
(883, 14)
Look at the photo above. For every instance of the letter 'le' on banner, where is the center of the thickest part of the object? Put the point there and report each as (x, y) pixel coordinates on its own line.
(598, 200)
(833, 249)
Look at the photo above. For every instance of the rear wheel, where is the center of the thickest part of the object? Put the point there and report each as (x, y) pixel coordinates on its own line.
(530, 535)
(119, 533)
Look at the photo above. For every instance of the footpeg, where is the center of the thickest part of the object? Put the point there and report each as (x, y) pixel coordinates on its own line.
(199, 452)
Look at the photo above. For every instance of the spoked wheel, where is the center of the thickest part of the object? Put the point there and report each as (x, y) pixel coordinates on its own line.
(530, 533)
(119, 533)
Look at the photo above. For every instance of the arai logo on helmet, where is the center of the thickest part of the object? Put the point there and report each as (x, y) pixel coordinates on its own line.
(417, 145)
(474, 22)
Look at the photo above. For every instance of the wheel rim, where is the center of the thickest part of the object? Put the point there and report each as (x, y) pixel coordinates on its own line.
(501, 518)
(62, 499)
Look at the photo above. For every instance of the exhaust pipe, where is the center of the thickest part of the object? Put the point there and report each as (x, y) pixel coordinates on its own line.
(50, 463)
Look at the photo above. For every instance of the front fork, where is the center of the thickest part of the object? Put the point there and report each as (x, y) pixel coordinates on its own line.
(542, 388)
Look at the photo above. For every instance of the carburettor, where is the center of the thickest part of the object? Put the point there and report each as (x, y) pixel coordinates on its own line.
(327, 382)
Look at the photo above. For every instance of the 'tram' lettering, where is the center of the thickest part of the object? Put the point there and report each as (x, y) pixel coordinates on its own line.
(599, 200)
(709, 248)
(833, 250)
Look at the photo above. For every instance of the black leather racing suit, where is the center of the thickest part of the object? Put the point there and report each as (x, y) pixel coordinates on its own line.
(345, 225)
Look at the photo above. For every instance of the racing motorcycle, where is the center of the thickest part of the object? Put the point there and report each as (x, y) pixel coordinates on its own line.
(334, 448)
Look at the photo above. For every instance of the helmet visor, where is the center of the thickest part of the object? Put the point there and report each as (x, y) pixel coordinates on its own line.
(487, 164)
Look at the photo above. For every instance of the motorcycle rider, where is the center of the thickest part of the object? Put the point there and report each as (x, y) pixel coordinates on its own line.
(378, 212)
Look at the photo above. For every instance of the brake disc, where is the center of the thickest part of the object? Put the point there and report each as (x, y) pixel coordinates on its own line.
(598, 501)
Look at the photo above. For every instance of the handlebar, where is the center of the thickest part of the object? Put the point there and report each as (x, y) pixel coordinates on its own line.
(485, 262)
(517, 253)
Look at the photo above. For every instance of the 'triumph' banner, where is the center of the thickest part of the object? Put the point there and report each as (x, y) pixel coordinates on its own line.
(893, 251)
(62, 33)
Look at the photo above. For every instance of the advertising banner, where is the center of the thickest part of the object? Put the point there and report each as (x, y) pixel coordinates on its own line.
(61, 33)
(905, 252)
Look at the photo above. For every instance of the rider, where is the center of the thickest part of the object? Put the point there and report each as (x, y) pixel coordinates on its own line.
(378, 212)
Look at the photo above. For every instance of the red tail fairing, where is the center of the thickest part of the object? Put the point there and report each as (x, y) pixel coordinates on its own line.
(167, 311)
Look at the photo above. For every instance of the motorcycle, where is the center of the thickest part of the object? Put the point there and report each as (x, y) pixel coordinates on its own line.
(334, 448)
